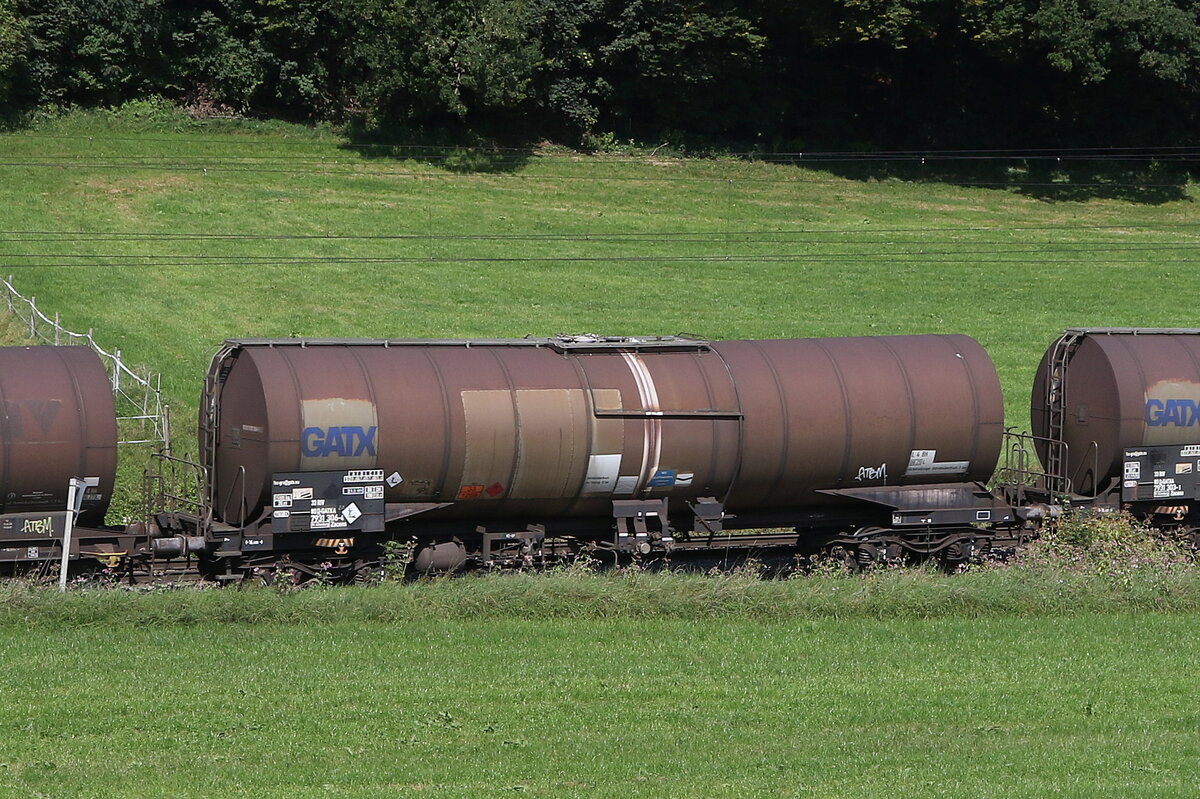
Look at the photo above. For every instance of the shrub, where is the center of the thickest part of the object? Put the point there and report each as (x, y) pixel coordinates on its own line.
(1116, 547)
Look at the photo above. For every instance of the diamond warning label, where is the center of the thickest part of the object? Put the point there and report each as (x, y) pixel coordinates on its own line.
(329, 500)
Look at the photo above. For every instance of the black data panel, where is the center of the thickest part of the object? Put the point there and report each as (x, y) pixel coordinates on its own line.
(1161, 473)
(344, 501)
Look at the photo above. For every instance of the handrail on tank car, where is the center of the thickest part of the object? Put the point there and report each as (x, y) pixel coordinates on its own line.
(168, 497)
(1022, 475)
(1094, 449)
(239, 480)
(1019, 447)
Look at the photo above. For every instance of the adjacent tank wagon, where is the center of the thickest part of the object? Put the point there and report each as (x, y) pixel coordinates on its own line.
(58, 423)
(1100, 392)
(1116, 423)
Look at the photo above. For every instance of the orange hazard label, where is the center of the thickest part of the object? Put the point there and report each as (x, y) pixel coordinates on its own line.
(470, 492)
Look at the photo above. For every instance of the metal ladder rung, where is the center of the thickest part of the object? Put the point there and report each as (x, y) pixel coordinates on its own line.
(1056, 407)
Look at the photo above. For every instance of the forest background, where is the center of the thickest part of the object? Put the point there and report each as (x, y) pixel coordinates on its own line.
(765, 75)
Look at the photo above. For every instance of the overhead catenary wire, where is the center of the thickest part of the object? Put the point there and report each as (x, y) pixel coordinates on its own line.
(853, 245)
(509, 163)
(922, 251)
(13, 236)
(817, 258)
(998, 245)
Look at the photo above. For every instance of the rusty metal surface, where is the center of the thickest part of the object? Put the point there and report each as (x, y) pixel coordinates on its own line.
(529, 430)
(59, 422)
(1123, 388)
(851, 412)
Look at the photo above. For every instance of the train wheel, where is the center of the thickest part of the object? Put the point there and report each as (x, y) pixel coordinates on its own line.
(367, 572)
(891, 554)
(866, 556)
(958, 555)
(840, 556)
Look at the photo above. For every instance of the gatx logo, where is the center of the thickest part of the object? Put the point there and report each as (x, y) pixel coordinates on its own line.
(1178, 412)
(346, 442)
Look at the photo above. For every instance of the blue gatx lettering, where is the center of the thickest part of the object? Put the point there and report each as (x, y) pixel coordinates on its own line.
(350, 442)
(1178, 412)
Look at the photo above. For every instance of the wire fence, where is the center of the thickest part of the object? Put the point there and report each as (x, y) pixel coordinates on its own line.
(138, 395)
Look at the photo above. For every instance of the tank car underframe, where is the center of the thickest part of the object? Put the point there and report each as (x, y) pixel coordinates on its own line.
(952, 523)
(31, 545)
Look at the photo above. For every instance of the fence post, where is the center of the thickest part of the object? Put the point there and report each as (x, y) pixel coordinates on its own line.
(152, 382)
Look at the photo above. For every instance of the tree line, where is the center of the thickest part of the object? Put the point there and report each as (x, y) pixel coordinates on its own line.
(778, 75)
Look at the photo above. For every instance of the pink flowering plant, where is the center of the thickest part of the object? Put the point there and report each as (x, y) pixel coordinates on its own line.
(1114, 546)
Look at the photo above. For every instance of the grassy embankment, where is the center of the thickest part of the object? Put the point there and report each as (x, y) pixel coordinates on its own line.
(167, 243)
(1067, 679)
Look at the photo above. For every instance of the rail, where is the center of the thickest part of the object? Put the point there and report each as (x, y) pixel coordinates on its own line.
(138, 395)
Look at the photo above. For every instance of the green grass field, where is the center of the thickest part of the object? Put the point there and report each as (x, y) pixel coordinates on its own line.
(202, 235)
(1083, 706)
(166, 238)
(891, 684)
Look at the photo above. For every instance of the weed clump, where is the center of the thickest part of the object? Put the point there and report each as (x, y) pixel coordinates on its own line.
(1081, 565)
(1118, 548)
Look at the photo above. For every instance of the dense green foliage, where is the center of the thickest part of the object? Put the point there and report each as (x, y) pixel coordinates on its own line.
(763, 73)
(11, 29)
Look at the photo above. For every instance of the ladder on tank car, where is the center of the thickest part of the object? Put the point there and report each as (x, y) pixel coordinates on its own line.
(1056, 409)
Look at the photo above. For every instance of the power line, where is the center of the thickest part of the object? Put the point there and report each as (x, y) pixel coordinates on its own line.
(106, 261)
(122, 236)
(891, 253)
(798, 159)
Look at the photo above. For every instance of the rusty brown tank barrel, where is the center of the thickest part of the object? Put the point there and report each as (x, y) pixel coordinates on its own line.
(59, 422)
(542, 428)
(1116, 388)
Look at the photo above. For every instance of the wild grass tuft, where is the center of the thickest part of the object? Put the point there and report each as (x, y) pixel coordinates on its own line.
(1054, 578)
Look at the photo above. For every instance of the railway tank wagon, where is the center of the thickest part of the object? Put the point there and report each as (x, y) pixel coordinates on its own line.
(492, 447)
(58, 423)
(1116, 416)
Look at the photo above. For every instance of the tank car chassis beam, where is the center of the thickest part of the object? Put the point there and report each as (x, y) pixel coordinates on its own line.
(863, 526)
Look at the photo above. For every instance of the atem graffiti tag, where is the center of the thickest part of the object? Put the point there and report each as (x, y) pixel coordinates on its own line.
(38, 526)
(873, 472)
